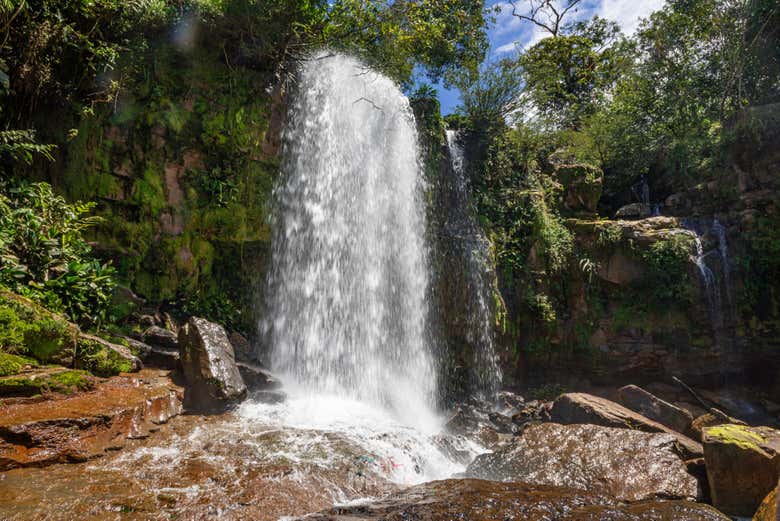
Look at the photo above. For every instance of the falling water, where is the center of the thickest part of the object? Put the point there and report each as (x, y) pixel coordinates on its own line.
(478, 267)
(723, 248)
(347, 309)
(711, 288)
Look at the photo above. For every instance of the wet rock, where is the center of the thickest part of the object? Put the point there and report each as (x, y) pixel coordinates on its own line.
(476, 500)
(256, 378)
(157, 336)
(743, 466)
(628, 465)
(574, 408)
(209, 365)
(652, 407)
(767, 511)
(86, 425)
(242, 347)
(41, 381)
(164, 358)
(269, 396)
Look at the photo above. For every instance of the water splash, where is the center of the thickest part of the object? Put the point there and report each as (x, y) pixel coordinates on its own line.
(479, 275)
(347, 311)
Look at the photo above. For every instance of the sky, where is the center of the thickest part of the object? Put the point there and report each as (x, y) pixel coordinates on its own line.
(508, 32)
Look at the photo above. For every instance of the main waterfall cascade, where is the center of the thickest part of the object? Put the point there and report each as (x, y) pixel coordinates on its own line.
(347, 309)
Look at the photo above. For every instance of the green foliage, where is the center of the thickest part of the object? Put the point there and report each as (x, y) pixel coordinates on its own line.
(45, 256)
(669, 261)
(492, 96)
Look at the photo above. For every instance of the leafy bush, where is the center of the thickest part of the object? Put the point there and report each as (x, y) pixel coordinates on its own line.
(669, 261)
(43, 254)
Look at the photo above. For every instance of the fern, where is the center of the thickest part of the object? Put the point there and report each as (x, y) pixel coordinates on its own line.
(21, 145)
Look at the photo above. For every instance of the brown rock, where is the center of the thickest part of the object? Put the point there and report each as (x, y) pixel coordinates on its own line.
(628, 465)
(209, 365)
(241, 347)
(86, 425)
(743, 466)
(768, 509)
(650, 406)
(157, 336)
(710, 419)
(477, 500)
(576, 408)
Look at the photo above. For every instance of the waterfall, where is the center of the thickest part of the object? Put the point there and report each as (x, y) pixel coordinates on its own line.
(479, 274)
(711, 288)
(347, 312)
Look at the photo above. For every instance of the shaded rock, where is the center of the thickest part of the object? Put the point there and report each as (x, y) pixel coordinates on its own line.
(269, 396)
(576, 408)
(256, 378)
(628, 465)
(86, 425)
(164, 358)
(634, 211)
(743, 466)
(157, 336)
(103, 358)
(476, 500)
(652, 407)
(711, 419)
(767, 511)
(138, 348)
(209, 365)
(241, 347)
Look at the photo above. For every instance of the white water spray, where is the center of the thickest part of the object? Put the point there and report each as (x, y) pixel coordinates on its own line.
(347, 288)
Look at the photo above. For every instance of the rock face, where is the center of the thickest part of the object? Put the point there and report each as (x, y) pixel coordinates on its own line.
(574, 408)
(627, 465)
(743, 466)
(652, 407)
(209, 364)
(256, 378)
(476, 500)
(768, 509)
(86, 425)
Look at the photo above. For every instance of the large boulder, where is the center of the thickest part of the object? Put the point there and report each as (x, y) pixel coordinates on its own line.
(652, 407)
(743, 466)
(575, 408)
(768, 509)
(628, 465)
(209, 365)
(477, 500)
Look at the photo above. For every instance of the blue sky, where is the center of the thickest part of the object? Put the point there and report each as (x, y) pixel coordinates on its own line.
(508, 32)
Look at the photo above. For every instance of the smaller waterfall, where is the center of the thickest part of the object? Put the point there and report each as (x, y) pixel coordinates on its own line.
(711, 287)
(723, 247)
(479, 273)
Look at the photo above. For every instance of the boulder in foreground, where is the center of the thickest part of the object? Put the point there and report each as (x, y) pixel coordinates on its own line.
(576, 408)
(743, 466)
(209, 365)
(652, 407)
(476, 500)
(628, 465)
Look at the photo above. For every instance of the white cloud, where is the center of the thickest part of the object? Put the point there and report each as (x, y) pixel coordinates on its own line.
(628, 13)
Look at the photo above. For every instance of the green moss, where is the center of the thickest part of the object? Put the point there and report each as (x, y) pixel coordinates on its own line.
(739, 435)
(27, 328)
(13, 364)
(70, 380)
(65, 382)
(96, 358)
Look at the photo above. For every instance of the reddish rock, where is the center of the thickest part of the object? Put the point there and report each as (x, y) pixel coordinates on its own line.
(85, 425)
(652, 407)
(628, 465)
(574, 408)
(476, 500)
(743, 466)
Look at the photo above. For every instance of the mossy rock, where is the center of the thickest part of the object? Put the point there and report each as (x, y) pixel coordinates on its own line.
(103, 358)
(27, 328)
(14, 364)
(60, 380)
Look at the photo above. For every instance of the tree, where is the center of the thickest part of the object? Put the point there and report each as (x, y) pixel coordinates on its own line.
(547, 14)
(567, 76)
(492, 96)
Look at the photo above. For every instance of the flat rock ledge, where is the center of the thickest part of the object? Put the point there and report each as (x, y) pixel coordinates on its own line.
(477, 500)
(86, 425)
